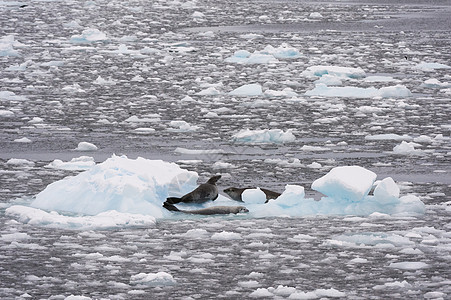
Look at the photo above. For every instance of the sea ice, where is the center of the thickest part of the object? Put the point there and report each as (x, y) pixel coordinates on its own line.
(127, 192)
(121, 184)
(85, 146)
(89, 35)
(75, 164)
(335, 71)
(350, 183)
(425, 66)
(397, 91)
(406, 148)
(264, 136)
(252, 89)
(153, 279)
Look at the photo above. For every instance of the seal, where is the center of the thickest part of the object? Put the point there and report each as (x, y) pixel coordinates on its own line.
(214, 210)
(203, 193)
(236, 193)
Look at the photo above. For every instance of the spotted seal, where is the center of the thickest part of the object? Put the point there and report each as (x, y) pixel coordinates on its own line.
(236, 193)
(204, 192)
(214, 210)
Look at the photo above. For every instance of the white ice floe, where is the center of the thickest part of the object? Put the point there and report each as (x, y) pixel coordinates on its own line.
(7, 45)
(6, 113)
(408, 148)
(428, 66)
(323, 90)
(127, 192)
(409, 265)
(153, 279)
(85, 146)
(121, 184)
(350, 183)
(11, 96)
(89, 35)
(268, 55)
(335, 71)
(182, 126)
(388, 136)
(253, 89)
(20, 162)
(75, 164)
(264, 136)
(23, 140)
(104, 220)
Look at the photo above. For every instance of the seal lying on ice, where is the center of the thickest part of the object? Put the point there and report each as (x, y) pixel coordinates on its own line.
(214, 210)
(236, 193)
(203, 193)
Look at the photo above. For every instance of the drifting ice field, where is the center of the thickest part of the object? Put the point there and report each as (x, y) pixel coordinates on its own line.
(109, 107)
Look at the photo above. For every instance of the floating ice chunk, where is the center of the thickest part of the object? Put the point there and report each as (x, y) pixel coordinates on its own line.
(182, 126)
(245, 57)
(435, 83)
(291, 196)
(286, 92)
(350, 183)
(284, 51)
(424, 66)
(357, 92)
(340, 72)
(264, 136)
(394, 91)
(387, 191)
(409, 204)
(380, 79)
(75, 164)
(329, 80)
(85, 146)
(225, 236)
(102, 81)
(23, 140)
(75, 297)
(11, 96)
(7, 44)
(211, 91)
(198, 15)
(153, 279)
(252, 89)
(121, 184)
(261, 293)
(198, 151)
(104, 220)
(254, 196)
(315, 15)
(409, 265)
(89, 35)
(6, 113)
(223, 165)
(406, 148)
(20, 162)
(388, 136)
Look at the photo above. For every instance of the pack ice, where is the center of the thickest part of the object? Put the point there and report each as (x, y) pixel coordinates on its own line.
(140, 186)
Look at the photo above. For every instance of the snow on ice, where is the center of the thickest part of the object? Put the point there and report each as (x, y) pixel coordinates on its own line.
(264, 136)
(119, 188)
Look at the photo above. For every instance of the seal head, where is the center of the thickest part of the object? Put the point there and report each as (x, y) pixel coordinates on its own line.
(203, 193)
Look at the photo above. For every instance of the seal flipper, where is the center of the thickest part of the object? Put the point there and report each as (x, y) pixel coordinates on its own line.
(170, 206)
(173, 200)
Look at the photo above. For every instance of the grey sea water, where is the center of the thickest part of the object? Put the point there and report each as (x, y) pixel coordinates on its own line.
(121, 94)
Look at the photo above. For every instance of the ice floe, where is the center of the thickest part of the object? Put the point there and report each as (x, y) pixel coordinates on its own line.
(358, 92)
(264, 136)
(130, 192)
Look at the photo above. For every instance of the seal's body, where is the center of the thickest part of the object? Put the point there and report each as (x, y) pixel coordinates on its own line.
(214, 210)
(203, 193)
(237, 193)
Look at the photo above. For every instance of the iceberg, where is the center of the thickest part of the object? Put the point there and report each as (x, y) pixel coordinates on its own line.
(122, 192)
(89, 35)
(340, 72)
(125, 185)
(357, 92)
(350, 183)
(264, 136)
(252, 89)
